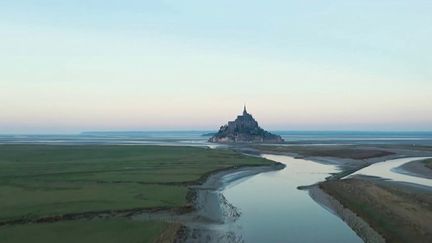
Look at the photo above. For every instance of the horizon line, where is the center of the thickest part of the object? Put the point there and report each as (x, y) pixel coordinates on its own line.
(213, 130)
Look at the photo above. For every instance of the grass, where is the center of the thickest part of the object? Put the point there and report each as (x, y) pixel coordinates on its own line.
(48, 180)
(107, 231)
(399, 213)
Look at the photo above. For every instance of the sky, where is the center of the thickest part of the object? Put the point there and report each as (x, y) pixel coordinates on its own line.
(71, 66)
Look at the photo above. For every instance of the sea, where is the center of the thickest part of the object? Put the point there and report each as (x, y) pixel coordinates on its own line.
(199, 138)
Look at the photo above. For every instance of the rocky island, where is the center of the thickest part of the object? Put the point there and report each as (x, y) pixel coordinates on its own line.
(244, 129)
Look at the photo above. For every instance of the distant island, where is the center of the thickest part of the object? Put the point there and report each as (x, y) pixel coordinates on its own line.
(244, 129)
(210, 134)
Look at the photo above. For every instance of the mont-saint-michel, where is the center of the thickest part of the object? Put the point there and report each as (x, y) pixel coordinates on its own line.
(244, 129)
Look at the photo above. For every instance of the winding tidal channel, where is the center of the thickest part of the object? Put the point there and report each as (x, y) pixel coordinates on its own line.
(274, 210)
(270, 207)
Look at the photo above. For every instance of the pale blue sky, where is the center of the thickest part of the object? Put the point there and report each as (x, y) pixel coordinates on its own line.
(67, 66)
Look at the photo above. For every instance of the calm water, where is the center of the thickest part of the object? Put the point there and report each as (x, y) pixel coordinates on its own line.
(173, 138)
(389, 170)
(196, 137)
(274, 210)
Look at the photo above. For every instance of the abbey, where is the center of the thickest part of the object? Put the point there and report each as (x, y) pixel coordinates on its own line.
(244, 129)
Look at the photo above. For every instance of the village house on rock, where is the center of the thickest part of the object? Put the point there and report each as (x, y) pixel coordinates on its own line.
(244, 129)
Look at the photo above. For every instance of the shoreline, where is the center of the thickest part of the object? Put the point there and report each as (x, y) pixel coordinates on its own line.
(208, 206)
(211, 209)
(356, 223)
(363, 228)
(397, 211)
(415, 168)
(350, 166)
(210, 190)
(359, 225)
(214, 181)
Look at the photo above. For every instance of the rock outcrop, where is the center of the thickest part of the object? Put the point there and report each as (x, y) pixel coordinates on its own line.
(244, 129)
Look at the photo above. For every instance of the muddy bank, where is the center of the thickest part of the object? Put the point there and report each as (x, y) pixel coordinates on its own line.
(209, 208)
(361, 227)
(212, 210)
(378, 209)
(400, 212)
(103, 214)
(416, 168)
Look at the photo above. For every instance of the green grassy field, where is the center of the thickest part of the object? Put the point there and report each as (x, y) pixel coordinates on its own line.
(107, 231)
(399, 213)
(49, 180)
